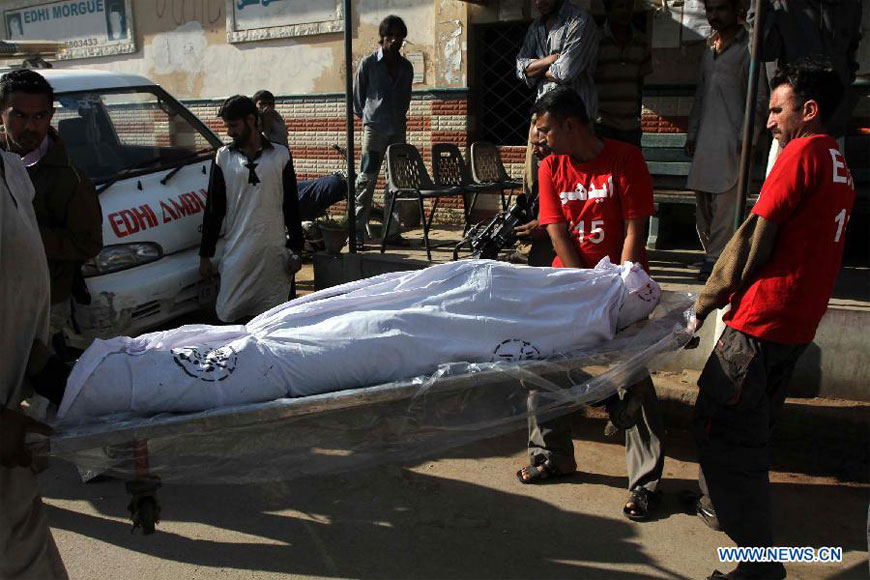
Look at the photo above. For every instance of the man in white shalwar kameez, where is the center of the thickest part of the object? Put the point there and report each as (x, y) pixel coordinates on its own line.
(27, 549)
(715, 128)
(253, 186)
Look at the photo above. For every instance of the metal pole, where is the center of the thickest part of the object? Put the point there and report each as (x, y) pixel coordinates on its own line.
(348, 103)
(749, 115)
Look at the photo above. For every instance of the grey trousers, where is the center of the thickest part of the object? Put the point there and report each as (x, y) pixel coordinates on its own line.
(550, 441)
(59, 316)
(374, 148)
(742, 390)
(714, 220)
(27, 548)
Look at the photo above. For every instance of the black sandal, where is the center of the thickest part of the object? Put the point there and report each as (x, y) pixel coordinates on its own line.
(546, 472)
(644, 500)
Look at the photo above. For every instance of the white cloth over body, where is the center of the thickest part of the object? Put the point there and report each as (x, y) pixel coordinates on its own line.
(254, 270)
(27, 549)
(391, 327)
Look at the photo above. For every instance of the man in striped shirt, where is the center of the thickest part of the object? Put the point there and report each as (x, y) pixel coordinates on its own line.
(560, 49)
(624, 59)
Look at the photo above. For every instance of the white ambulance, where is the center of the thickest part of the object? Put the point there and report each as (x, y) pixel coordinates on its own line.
(149, 158)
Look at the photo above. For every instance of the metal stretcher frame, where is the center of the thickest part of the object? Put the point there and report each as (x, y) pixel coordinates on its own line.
(354, 428)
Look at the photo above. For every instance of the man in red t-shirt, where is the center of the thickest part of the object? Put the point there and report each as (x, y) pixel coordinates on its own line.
(595, 200)
(777, 273)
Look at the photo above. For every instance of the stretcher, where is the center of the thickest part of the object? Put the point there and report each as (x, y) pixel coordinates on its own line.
(350, 429)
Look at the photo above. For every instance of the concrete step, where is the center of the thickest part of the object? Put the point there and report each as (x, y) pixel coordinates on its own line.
(813, 436)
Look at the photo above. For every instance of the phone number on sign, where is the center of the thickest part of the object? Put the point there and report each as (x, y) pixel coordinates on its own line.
(83, 42)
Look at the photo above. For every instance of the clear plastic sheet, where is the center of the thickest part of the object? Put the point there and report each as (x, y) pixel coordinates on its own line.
(356, 428)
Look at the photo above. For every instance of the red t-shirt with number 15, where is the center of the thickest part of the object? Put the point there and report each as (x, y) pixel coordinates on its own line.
(595, 198)
(809, 194)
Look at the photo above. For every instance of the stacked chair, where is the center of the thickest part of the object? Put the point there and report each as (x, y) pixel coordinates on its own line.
(408, 180)
(449, 170)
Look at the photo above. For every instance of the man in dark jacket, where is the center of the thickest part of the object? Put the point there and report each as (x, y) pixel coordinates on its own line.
(830, 32)
(66, 205)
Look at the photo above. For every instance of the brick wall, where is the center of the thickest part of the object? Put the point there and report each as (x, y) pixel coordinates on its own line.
(668, 114)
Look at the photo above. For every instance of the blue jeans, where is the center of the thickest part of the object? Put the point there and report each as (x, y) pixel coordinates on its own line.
(316, 195)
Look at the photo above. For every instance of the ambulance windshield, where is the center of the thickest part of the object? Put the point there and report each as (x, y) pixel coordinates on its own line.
(117, 133)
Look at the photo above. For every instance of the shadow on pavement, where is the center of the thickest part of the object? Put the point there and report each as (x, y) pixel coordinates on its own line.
(390, 522)
(381, 523)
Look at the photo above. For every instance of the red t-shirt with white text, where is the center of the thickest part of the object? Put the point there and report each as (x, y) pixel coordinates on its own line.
(809, 194)
(595, 198)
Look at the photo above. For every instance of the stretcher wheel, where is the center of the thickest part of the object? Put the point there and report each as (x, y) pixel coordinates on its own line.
(145, 513)
(143, 507)
(148, 515)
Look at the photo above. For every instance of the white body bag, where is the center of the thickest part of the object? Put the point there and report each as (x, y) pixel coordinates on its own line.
(386, 328)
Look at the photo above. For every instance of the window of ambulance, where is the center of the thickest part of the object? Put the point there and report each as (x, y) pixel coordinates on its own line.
(115, 134)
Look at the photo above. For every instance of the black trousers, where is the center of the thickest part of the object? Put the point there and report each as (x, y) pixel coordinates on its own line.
(742, 390)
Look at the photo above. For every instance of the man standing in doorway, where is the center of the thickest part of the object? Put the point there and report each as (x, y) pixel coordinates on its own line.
(560, 49)
(595, 200)
(715, 129)
(253, 186)
(381, 98)
(624, 59)
(66, 205)
(777, 273)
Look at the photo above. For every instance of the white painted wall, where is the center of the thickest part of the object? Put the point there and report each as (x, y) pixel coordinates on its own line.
(419, 17)
(194, 60)
(218, 69)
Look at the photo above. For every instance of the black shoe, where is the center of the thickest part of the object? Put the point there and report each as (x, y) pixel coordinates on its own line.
(705, 511)
(701, 506)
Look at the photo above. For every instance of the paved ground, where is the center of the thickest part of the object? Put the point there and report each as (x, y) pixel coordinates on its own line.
(461, 516)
